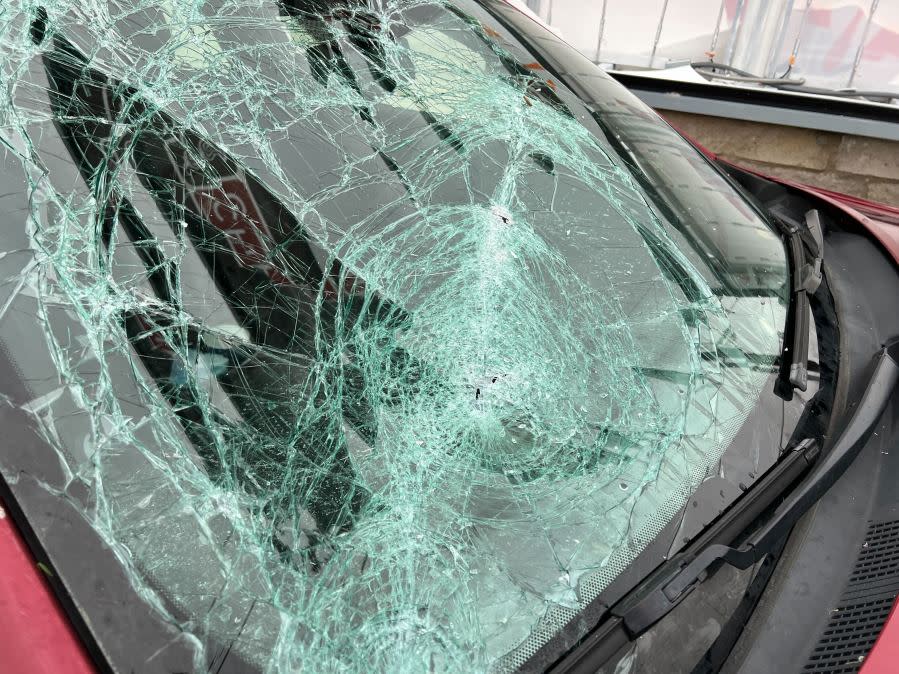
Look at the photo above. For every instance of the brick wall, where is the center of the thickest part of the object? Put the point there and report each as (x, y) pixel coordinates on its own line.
(863, 167)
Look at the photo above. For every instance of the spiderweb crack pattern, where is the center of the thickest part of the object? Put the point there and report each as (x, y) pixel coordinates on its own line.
(368, 347)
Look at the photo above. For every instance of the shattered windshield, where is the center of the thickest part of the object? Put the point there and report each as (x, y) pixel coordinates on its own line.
(362, 339)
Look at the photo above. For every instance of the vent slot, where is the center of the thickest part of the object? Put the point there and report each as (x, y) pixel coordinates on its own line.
(855, 624)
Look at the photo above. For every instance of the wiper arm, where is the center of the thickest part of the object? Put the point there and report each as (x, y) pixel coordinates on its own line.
(668, 589)
(805, 278)
(672, 582)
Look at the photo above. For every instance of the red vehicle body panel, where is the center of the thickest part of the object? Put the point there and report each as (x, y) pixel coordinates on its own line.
(884, 657)
(35, 635)
(881, 221)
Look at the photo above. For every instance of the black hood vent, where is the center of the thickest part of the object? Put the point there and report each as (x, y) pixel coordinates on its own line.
(856, 622)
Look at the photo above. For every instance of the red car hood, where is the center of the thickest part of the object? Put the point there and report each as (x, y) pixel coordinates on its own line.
(880, 220)
(35, 633)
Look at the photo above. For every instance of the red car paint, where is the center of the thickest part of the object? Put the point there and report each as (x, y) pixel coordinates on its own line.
(36, 637)
(881, 221)
(884, 657)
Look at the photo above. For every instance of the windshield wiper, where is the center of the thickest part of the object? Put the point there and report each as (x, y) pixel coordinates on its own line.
(672, 582)
(805, 277)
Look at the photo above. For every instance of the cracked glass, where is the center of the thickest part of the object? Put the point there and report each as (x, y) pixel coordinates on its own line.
(366, 336)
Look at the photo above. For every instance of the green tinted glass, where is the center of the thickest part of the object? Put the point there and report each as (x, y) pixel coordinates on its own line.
(421, 345)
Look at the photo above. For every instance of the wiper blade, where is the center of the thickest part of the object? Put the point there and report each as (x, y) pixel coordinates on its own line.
(671, 588)
(689, 569)
(666, 588)
(805, 278)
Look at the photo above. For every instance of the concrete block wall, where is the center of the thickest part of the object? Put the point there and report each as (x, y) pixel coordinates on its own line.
(856, 165)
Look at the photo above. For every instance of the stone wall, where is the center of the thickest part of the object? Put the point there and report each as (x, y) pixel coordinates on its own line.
(863, 167)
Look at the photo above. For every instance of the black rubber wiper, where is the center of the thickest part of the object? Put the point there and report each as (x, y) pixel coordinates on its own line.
(805, 277)
(725, 541)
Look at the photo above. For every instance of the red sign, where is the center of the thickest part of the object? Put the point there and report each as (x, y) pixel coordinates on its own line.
(232, 210)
